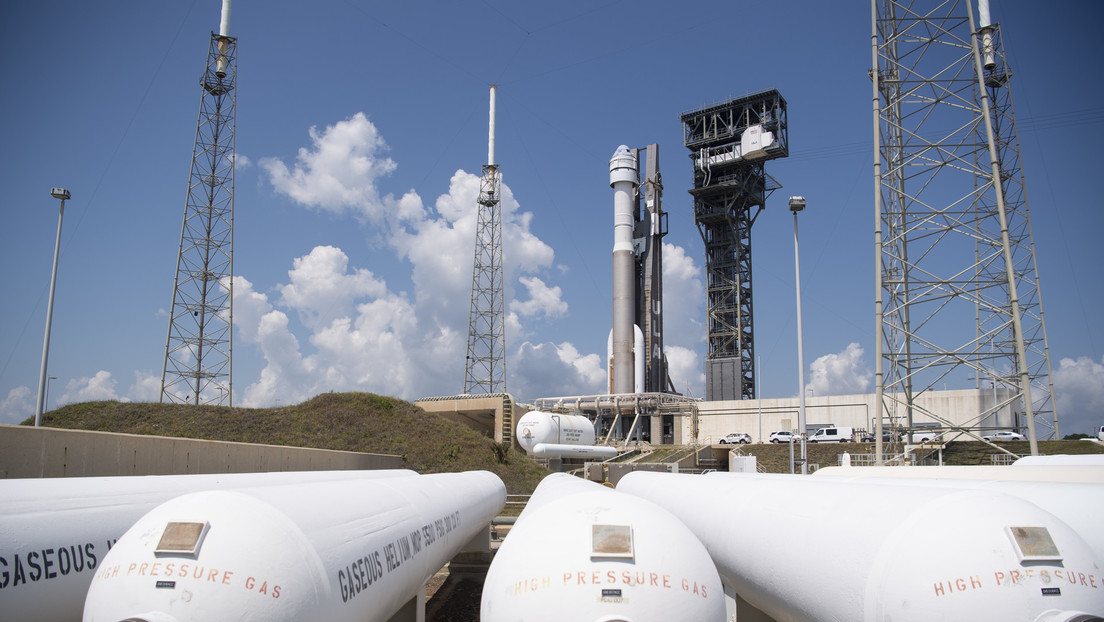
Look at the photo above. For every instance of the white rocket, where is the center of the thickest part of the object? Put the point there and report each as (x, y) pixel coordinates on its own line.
(582, 551)
(330, 550)
(623, 180)
(799, 548)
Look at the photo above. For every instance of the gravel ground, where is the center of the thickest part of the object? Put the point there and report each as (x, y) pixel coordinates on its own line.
(451, 599)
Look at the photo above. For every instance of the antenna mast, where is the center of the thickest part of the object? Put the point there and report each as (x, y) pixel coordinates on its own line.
(952, 231)
(485, 365)
(198, 350)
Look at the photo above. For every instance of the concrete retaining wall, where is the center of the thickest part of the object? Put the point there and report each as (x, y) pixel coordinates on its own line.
(49, 452)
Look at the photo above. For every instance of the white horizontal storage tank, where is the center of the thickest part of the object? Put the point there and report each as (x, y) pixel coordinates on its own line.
(582, 551)
(883, 552)
(55, 532)
(552, 450)
(1080, 505)
(330, 550)
(1064, 460)
(537, 426)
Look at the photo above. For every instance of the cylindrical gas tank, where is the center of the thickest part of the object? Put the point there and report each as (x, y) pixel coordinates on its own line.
(537, 426)
(329, 550)
(881, 552)
(583, 551)
(55, 532)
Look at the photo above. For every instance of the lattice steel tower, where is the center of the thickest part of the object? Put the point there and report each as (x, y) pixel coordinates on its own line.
(198, 350)
(958, 296)
(729, 144)
(485, 365)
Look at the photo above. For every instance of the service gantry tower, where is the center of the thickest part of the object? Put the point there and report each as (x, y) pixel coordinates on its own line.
(198, 352)
(729, 144)
(957, 289)
(485, 364)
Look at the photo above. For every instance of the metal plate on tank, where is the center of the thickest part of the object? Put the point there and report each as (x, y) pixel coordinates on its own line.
(180, 538)
(611, 541)
(1034, 544)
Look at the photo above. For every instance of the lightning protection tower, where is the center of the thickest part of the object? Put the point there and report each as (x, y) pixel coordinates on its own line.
(485, 365)
(198, 352)
(729, 144)
(957, 293)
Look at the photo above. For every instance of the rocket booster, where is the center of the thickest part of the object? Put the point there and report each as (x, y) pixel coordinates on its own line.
(623, 180)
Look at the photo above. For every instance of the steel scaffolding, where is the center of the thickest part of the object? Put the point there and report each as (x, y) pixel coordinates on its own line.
(485, 365)
(957, 288)
(198, 350)
(730, 190)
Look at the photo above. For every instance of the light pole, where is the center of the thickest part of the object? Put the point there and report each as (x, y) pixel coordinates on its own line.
(62, 194)
(46, 402)
(796, 205)
(759, 397)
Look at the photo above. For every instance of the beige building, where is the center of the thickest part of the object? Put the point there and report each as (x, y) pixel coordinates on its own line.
(969, 408)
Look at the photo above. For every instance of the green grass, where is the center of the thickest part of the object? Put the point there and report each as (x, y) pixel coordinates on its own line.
(361, 422)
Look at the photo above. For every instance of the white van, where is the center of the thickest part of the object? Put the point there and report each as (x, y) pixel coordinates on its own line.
(833, 435)
(1100, 433)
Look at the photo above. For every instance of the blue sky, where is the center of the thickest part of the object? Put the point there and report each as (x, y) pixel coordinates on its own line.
(361, 130)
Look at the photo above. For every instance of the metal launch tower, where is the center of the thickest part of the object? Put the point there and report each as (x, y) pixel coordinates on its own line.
(485, 365)
(729, 144)
(198, 351)
(957, 289)
(650, 226)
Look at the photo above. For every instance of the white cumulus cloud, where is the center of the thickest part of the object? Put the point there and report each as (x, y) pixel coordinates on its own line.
(322, 290)
(544, 301)
(548, 369)
(146, 388)
(99, 387)
(1079, 393)
(339, 171)
(18, 405)
(683, 298)
(686, 370)
(360, 333)
(841, 373)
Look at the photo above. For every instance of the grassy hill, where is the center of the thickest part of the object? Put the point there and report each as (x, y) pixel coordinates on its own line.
(363, 422)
